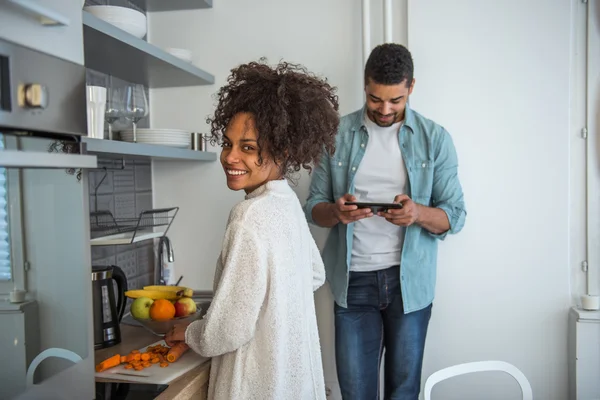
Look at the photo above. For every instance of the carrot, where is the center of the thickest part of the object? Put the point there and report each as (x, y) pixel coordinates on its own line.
(109, 363)
(145, 357)
(177, 351)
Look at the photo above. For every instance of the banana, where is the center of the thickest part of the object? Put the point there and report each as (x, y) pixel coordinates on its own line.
(154, 294)
(187, 292)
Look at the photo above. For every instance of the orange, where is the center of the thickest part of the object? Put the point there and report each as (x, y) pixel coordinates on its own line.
(162, 310)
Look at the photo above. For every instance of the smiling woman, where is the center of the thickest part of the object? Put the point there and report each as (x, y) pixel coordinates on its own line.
(276, 118)
(261, 327)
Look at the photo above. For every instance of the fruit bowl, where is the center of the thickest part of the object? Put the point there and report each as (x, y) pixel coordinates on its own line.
(160, 328)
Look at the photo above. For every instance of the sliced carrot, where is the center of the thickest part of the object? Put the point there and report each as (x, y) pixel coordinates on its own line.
(129, 366)
(154, 360)
(177, 351)
(145, 357)
(164, 364)
(109, 363)
(137, 356)
(135, 351)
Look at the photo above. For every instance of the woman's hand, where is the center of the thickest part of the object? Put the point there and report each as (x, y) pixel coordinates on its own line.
(176, 334)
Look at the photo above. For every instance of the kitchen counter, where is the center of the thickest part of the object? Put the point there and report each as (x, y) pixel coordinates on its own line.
(191, 385)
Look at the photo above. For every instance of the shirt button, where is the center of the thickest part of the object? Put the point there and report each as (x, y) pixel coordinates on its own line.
(340, 164)
(353, 168)
(423, 165)
(362, 145)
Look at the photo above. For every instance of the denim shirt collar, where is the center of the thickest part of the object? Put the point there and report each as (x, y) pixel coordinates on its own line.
(358, 120)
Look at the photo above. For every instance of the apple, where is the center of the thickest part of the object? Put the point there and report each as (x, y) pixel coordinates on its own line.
(184, 306)
(140, 308)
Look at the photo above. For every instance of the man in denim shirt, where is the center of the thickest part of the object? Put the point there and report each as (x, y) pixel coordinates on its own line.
(381, 265)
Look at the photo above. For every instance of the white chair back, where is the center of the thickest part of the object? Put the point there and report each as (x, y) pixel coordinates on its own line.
(51, 352)
(480, 366)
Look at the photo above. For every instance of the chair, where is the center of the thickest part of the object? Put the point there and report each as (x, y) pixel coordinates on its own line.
(480, 366)
(51, 352)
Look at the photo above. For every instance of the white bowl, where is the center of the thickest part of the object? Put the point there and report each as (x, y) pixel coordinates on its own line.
(184, 54)
(127, 19)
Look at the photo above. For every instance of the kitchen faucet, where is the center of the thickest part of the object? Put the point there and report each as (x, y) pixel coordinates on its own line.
(164, 244)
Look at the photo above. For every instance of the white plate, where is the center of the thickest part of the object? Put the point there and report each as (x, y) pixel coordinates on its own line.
(152, 140)
(177, 136)
(127, 19)
(148, 130)
(146, 140)
(167, 144)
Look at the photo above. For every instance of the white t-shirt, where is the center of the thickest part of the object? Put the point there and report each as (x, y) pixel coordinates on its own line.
(381, 175)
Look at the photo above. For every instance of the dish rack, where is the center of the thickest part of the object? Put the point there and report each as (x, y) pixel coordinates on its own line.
(107, 230)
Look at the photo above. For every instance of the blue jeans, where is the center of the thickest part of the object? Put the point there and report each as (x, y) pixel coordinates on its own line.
(375, 320)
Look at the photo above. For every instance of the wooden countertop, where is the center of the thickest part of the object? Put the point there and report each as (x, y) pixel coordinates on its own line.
(191, 385)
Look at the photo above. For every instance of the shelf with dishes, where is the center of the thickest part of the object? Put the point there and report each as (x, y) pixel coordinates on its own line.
(114, 45)
(152, 144)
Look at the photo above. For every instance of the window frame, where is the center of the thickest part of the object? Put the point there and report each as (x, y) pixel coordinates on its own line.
(15, 223)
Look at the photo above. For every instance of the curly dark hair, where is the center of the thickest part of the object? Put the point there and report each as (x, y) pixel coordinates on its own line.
(294, 111)
(389, 64)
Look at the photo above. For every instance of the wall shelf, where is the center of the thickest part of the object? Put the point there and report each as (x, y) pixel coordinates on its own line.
(174, 5)
(124, 238)
(115, 52)
(118, 149)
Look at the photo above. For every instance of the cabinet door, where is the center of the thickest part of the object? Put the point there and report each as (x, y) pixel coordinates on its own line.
(12, 378)
(20, 22)
(588, 360)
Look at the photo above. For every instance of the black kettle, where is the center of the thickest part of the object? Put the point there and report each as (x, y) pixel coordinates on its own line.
(107, 314)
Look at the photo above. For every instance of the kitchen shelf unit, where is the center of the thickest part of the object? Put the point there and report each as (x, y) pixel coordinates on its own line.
(115, 52)
(141, 151)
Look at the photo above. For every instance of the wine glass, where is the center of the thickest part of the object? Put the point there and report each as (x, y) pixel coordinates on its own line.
(114, 109)
(136, 105)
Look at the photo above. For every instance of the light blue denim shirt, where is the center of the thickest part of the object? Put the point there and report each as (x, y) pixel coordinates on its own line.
(431, 163)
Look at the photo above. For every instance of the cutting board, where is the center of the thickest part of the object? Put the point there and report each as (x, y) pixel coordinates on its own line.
(155, 374)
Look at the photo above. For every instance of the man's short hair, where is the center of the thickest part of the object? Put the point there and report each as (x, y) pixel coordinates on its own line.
(389, 64)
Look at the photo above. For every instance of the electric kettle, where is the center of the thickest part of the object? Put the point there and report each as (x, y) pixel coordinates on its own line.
(107, 314)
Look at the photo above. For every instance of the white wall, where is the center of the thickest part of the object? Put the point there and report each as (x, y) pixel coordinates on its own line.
(501, 85)
(325, 36)
(503, 286)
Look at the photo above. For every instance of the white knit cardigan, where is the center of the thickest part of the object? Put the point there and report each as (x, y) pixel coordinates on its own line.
(261, 328)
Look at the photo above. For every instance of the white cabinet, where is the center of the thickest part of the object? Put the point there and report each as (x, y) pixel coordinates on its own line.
(584, 355)
(19, 328)
(21, 22)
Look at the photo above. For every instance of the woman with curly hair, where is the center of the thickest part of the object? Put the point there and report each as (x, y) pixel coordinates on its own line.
(261, 328)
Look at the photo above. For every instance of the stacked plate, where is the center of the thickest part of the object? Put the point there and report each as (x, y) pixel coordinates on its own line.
(127, 19)
(184, 54)
(160, 137)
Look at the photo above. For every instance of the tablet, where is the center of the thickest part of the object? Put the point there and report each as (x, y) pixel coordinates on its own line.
(375, 207)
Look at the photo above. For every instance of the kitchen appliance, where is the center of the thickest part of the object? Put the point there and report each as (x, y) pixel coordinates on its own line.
(128, 391)
(107, 313)
(41, 96)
